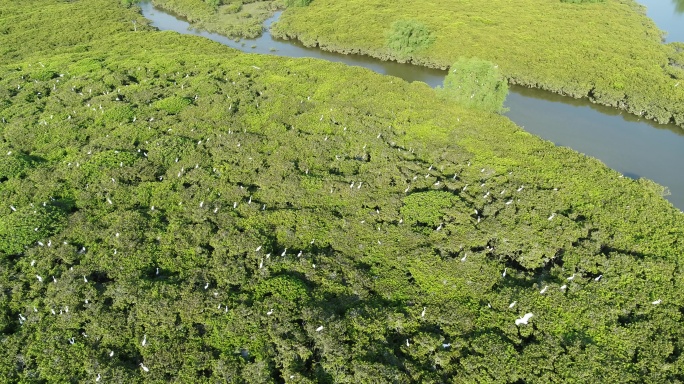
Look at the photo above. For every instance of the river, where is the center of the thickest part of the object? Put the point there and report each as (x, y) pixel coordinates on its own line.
(632, 146)
(668, 15)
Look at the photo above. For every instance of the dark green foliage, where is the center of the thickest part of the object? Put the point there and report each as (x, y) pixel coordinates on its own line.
(407, 37)
(13, 165)
(296, 217)
(27, 225)
(475, 83)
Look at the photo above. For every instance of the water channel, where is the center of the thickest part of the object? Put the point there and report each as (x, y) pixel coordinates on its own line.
(632, 146)
(668, 15)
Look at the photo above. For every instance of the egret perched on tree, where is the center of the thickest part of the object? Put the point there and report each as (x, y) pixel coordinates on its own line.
(524, 319)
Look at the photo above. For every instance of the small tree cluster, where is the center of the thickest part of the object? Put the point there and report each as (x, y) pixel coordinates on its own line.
(477, 84)
(408, 37)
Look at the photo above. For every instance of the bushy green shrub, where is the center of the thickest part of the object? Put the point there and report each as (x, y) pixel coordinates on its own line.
(408, 37)
(233, 7)
(476, 84)
(172, 105)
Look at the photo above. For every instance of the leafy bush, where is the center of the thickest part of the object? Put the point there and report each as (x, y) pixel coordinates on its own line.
(477, 84)
(407, 37)
(13, 166)
(233, 7)
(172, 105)
(297, 3)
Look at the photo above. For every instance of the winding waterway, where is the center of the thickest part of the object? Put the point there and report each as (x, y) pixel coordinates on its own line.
(668, 16)
(632, 146)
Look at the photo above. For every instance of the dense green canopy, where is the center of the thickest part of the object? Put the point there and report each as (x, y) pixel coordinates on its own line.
(173, 210)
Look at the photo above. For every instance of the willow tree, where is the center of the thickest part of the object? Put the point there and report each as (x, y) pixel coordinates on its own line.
(475, 83)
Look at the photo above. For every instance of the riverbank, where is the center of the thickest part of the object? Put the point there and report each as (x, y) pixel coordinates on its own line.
(610, 53)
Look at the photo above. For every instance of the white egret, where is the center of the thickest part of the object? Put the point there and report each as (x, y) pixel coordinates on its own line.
(144, 368)
(511, 305)
(524, 319)
(422, 314)
(597, 278)
(544, 290)
(656, 302)
(144, 340)
(320, 328)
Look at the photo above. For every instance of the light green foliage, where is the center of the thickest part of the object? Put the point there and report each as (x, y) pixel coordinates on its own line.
(172, 105)
(291, 195)
(297, 3)
(426, 208)
(233, 7)
(582, 1)
(407, 37)
(609, 52)
(232, 18)
(475, 83)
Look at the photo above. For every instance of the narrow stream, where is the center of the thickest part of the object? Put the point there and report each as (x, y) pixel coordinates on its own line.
(668, 15)
(632, 146)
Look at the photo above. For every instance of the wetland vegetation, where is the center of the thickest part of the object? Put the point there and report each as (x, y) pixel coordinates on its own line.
(175, 210)
(569, 48)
